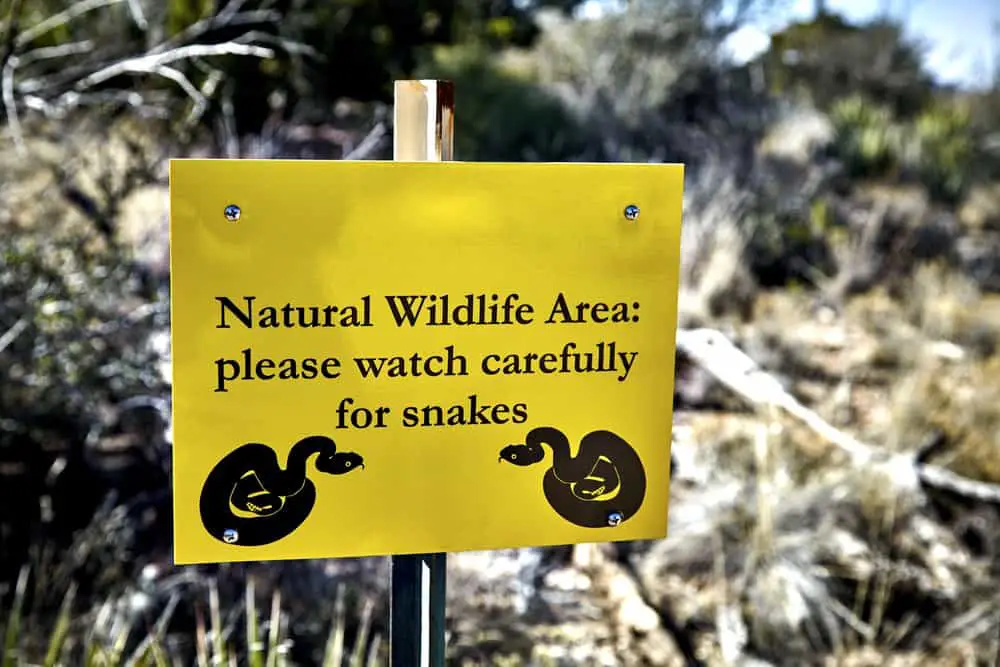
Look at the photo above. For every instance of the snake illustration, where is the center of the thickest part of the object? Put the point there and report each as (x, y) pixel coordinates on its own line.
(249, 500)
(603, 485)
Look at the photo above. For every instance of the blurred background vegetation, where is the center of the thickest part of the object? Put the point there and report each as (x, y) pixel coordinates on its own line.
(834, 192)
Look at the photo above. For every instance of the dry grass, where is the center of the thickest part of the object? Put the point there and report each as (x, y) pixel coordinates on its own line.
(836, 565)
(715, 279)
(112, 634)
(963, 401)
(948, 306)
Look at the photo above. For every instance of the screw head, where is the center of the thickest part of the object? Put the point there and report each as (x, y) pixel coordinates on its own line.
(615, 518)
(230, 536)
(631, 212)
(233, 213)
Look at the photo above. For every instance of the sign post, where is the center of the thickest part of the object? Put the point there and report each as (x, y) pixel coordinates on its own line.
(420, 356)
(423, 131)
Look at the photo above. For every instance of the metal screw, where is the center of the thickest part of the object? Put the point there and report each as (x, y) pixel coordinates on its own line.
(615, 518)
(631, 212)
(230, 536)
(233, 213)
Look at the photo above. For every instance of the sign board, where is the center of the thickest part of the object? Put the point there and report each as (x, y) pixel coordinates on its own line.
(375, 358)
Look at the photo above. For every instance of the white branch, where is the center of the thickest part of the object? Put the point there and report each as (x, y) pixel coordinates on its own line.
(148, 64)
(138, 17)
(10, 104)
(11, 334)
(51, 52)
(369, 144)
(61, 19)
(717, 355)
(189, 88)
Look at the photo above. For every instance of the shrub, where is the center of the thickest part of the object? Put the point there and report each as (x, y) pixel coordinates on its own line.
(938, 147)
(74, 340)
(866, 138)
(945, 150)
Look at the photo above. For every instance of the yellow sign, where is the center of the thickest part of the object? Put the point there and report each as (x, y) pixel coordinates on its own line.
(377, 358)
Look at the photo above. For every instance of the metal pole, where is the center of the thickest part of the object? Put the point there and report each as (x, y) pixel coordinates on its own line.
(423, 130)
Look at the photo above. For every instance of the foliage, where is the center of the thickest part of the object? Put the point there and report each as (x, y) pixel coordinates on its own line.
(867, 139)
(828, 58)
(323, 50)
(75, 320)
(110, 634)
(938, 147)
(648, 82)
(62, 310)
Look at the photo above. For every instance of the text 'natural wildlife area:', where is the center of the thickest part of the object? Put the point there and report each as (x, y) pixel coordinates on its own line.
(426, 310)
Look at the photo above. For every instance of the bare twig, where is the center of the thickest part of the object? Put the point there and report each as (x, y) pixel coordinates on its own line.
(287, 45)
(10, 35)
(62, 18)
(369, 144)
(189, 89)
(56, 91)
(208, 24)
(52, 52)
(148, 64)
(138, 17)
(11, 334)
(10, 104)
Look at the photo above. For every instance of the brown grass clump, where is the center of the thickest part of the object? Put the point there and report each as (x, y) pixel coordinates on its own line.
(962, 401)
(946, 305)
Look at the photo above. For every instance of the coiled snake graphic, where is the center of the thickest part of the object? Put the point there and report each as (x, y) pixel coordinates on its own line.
(249, 500)
(603, 485)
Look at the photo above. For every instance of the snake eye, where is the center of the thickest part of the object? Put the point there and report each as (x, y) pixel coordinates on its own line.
(513, 457)
(347, 464)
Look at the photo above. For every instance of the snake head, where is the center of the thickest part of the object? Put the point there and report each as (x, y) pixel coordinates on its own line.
(340, 463)
(521, 455)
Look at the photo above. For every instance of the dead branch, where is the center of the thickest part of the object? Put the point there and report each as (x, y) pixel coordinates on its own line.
(369, 144)
(150, 63)
(61, 19)
(11, 334)
(718, 356)
(55, 91)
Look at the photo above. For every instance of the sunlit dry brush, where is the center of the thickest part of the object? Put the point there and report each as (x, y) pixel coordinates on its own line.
(948, 306)
(856, 561)
(715, 276)
(963, 402)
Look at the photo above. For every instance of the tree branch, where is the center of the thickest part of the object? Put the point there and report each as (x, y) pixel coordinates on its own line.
(148, 64)
(718, 356)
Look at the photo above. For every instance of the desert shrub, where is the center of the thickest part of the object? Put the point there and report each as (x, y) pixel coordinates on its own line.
(945, 150)
(74, 321)
(648, 84)
(828, 58)
(938, 147)
(959, 400)
(74, 327)
(866, 138)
